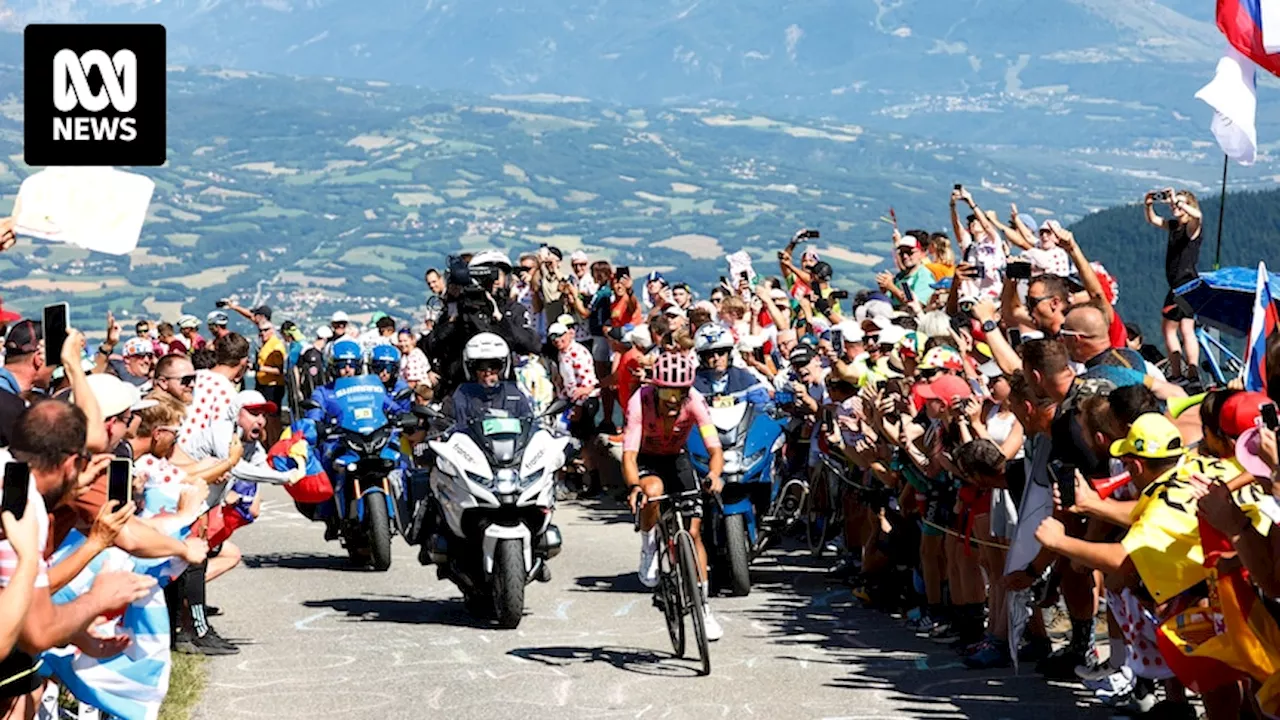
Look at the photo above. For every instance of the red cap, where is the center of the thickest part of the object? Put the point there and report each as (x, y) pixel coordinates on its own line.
(8, 315)
(1241, 412)
(945, 388)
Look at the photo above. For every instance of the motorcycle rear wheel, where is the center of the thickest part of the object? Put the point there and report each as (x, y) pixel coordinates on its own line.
(509, 580)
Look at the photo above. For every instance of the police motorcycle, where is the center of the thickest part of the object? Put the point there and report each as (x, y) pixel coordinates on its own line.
(367, 466)
(491, 493)
(751, 437)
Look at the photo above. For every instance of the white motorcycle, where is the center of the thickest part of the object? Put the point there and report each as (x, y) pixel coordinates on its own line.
(492, 488)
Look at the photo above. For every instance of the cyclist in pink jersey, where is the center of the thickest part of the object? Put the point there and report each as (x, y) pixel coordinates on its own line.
(660, 417)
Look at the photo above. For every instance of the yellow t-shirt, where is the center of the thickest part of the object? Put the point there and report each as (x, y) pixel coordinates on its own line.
(271, 354)
(1164, 540)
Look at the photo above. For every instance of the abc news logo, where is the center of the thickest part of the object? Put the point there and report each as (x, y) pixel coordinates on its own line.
(94, 95)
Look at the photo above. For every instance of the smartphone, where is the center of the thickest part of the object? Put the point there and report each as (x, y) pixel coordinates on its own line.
(55, 333)
(979, 270)
(809, 234)
(1162, 196)
(120, 480)
(1270, 417)
(839, 295)
(743, 275)
(828, 423)
(1018, 270)
(623, 271)
(723, 281)
(959, 187)
(17, 481)
(1066, 480)
(1015, 338)
(906, 292)
(837, 341)
(221, 303)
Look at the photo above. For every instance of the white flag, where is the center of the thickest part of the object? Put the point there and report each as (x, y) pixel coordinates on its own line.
(96, 208)
(1269, 14)
(1233, 96)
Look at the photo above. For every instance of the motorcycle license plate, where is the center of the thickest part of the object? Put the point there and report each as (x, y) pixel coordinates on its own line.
(364, 413)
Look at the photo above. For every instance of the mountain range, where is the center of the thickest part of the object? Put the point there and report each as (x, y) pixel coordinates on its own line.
(1074, 73)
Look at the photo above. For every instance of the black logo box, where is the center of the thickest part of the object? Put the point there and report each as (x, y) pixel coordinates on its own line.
(41, 115)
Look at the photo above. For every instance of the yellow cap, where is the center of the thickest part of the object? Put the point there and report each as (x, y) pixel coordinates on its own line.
(1151, 436)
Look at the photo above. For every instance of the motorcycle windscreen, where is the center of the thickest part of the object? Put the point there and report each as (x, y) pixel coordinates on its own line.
(360, 400)
(505, 437)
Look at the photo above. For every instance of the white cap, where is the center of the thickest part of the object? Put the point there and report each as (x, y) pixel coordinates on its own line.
(891, 335)
(339, 316)
(639, 337)
(1051, 225)
(557, 329)
(850, 331)
(114, 395)
(566, 320)
(907, 241)
(188, 321)
(324, 332)
(674, 311)
(578, 256)
(778, 294)
(990, 369)
(873, 309)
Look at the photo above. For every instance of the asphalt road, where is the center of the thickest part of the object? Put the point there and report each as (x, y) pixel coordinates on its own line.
(320, 639)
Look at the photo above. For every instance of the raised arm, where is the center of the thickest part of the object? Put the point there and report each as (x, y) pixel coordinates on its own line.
(1150, 201)
(1088, 278)
(962, 233)
(1019, 234)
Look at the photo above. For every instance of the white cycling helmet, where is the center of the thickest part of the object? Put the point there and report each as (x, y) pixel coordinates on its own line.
(491, 257)
(712, 337)
(486, 346)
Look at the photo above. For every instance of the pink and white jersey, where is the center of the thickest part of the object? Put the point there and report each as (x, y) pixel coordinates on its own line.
(647, 429)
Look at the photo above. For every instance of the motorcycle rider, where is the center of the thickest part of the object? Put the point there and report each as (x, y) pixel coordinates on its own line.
(384, 361)
(483, 305)
(346, 362)
(487, 363)
(717, 377)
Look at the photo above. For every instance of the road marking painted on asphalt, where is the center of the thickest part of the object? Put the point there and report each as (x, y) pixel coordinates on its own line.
(562, 610)
(303, 623)
(626, 608)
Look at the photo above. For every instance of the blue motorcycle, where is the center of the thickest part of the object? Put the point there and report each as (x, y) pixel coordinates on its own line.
(369, 469)
(735, 528)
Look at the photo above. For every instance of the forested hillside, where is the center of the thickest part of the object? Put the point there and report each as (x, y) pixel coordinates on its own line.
(1134, 251)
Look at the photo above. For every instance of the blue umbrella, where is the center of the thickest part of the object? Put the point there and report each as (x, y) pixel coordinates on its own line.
(1223, 299)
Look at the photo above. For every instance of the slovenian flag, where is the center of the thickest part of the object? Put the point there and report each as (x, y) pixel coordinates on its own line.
(1253, 28)
(1266, 320)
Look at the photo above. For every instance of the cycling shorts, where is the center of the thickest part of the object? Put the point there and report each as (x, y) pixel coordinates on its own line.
(677, 475)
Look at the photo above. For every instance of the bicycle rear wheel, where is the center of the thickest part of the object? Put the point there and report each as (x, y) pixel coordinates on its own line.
(694, 600)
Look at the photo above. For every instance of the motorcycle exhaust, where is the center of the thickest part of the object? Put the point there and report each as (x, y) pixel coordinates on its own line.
(792, 496)
(549, 543)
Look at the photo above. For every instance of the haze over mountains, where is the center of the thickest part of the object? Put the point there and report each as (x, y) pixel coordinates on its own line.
(1021, 72)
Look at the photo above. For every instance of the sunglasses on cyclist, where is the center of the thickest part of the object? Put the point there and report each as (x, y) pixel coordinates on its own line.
(672, 395)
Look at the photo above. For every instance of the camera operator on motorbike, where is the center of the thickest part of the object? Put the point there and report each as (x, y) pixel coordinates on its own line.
(483, 306)
(718, 379)
(487, 362)
(654, 461)
(384, 361)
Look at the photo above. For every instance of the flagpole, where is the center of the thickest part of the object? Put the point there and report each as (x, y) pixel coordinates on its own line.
(1222, 210)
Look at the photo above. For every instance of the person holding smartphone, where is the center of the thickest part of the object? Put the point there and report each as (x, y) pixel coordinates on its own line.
(913, 281)
(21, 551)
(1181, 257)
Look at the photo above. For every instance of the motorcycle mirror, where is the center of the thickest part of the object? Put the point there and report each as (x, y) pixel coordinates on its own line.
(409, 422)
(403, 395)
(556, 407)
(426, 411)
(306, 405)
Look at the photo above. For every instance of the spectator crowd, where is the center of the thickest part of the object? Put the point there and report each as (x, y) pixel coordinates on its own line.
(986, 437)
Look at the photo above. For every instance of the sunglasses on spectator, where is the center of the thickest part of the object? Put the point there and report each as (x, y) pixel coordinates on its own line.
(186, 380)
(1033, 300)
(169, 429)
(125, 417)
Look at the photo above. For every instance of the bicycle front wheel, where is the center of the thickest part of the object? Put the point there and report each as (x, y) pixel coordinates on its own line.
(694, 599)
(669, 594)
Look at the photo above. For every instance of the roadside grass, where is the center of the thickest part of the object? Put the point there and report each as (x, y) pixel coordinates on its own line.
(186, 685)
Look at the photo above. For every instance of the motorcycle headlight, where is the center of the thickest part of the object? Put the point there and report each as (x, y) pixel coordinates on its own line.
(732, 458)
(480, 480)
(532, 477)
(752, 460)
